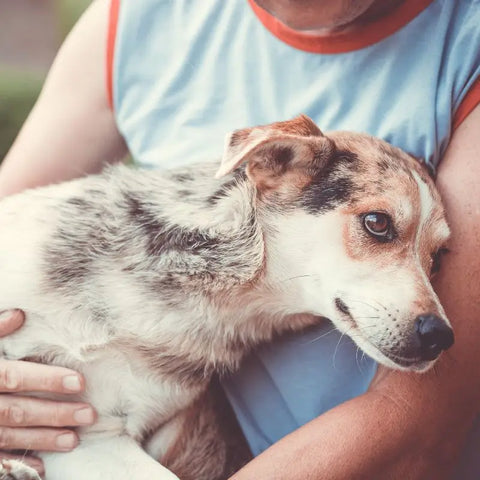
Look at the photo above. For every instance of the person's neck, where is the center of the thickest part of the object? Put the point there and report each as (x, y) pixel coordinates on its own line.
(380, 9)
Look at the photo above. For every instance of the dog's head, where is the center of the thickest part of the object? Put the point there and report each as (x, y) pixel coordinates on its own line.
(354, 229)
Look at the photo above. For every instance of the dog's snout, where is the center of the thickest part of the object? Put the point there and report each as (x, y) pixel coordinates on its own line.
(434, 335)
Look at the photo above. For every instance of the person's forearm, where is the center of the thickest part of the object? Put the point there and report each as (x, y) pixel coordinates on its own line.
(331, 447)
(371, 437)
(71, 130)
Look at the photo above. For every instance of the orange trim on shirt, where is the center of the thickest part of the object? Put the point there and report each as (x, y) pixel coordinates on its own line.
(111, 36)
(469, 102)
(362, 37)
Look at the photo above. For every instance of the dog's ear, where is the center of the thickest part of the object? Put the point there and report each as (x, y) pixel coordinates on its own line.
(272, 150)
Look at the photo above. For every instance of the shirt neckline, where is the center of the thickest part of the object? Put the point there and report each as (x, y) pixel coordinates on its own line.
(342, 42)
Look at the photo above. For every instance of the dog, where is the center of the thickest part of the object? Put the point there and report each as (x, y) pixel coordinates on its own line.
(148, 283)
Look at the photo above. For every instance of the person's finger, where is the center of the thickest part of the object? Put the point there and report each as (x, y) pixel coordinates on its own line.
(10, 320)
(18, 411)
(33, 462)
(19, 376)
(41, 439)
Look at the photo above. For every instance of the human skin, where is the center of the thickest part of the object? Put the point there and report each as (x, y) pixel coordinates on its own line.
(406, 426)
(327, 16)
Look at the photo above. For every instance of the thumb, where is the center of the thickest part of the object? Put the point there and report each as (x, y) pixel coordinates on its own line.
(10, 320)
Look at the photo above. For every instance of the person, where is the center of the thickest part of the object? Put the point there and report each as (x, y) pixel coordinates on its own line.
(179, 76)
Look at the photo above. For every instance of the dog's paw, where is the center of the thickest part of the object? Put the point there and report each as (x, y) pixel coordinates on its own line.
(15, 470)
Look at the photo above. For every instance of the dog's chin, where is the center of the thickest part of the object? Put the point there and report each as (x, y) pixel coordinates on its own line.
(392, 361)
(409, 365)
(346, 323)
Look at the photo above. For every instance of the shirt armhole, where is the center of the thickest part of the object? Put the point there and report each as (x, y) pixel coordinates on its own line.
(469, 102)
(111, 37)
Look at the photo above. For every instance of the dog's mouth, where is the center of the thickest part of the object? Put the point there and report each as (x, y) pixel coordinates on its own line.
(343, 308)
(416, 364)
(404, 363)
(340, 304)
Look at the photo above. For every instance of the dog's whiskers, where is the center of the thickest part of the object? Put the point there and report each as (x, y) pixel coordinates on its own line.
(356, 358)
(297, 276)
(380, 304)
(360, 363)
(320, 336)
(338, 344)
(361, 301)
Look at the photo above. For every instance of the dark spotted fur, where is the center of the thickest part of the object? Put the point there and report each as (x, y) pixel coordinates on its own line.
(333, 185)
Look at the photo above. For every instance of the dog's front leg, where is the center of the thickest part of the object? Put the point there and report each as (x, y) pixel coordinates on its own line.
(113, 458)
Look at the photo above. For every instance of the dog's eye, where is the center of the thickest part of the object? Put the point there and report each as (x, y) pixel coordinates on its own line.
(379, 225)
(437, 260)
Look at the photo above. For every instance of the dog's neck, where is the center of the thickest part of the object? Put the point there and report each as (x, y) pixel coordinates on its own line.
(205, 240)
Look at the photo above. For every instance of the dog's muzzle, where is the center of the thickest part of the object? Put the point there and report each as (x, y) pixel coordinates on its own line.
(433, 334)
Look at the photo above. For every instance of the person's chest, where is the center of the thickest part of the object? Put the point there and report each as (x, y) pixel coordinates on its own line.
(196, 79)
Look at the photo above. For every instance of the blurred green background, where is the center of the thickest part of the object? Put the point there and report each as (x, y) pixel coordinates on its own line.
(31, 31)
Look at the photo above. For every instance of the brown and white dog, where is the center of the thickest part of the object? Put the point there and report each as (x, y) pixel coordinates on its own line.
(149, 283)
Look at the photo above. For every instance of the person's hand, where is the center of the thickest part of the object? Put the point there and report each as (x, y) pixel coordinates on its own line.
(28, 423)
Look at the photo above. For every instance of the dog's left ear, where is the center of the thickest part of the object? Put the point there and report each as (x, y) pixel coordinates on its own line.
(272, 150)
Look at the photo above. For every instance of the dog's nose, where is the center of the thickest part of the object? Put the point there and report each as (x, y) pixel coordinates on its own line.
(434, 335)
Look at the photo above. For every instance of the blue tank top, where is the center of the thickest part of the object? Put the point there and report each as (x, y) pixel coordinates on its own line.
(185, 72)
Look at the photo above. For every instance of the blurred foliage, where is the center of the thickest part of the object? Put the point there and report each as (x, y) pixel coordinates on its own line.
(68, 12)
(19, 90)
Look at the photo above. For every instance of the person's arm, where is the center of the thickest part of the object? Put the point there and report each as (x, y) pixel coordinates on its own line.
(70, 132)
(407, 426)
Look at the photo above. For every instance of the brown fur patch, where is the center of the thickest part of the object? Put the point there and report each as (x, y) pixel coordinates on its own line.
(210, 445)
(183, 369)
(302, 126)
(243, 144)
(280, 165)
(239, 137)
